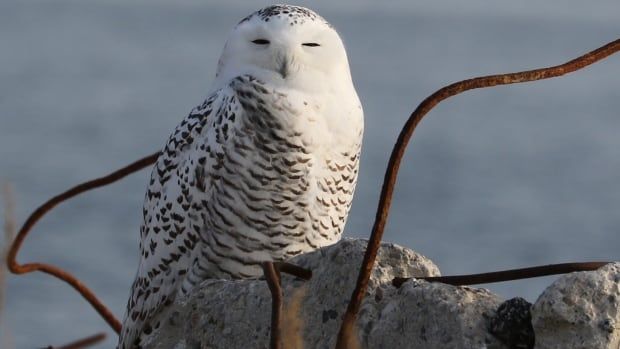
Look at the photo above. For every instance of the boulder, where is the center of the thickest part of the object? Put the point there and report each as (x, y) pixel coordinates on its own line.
(236, 313)
(580, 310)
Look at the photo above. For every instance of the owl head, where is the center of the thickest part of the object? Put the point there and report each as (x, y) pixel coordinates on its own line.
(285, 44)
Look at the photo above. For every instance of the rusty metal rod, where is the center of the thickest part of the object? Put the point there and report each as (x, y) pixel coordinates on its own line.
(295, 270)
(61, 274)
(82, 343)
(272, 276)
(387, 190)
(506, 275)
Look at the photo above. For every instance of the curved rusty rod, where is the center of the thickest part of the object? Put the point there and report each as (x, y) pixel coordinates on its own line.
(385, 200)
(295, 270)
(271, 271)
(274, 281)
(17, 268)
(506, 275)
(82, 343)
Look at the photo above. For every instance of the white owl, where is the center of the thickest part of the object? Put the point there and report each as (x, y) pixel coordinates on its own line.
(263, 170)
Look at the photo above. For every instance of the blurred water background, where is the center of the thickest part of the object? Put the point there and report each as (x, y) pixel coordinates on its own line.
(497, 178)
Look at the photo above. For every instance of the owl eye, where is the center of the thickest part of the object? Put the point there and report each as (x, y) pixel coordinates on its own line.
(310, 44)
(261, 41)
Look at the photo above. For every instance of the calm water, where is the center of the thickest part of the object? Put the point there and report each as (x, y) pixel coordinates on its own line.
(499, 178)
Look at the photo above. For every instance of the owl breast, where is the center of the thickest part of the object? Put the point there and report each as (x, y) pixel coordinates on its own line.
(276, 189)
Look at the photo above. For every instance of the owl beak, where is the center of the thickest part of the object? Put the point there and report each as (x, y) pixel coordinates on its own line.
(285, 65)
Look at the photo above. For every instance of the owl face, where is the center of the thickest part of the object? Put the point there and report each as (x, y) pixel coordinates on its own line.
(284, 43)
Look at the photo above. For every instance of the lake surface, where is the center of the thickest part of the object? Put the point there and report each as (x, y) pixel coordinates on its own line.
(493, 179)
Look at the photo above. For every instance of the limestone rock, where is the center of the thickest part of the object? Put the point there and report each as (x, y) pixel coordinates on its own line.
(236, 314)
(580, 310)
(433, 315)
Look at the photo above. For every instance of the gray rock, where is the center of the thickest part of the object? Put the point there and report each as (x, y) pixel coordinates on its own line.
(580, 310)
(236, 314)
(433, 315)
(335, 271)
(512, 324)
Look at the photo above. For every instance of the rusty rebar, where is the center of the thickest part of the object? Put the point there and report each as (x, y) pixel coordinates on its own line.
(82, 343)
(272, 276)
(295, 270)
(506, 275)
(61, 274)
(398, 151)
(9, 234)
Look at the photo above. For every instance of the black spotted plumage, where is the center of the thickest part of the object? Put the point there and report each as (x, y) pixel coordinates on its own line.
(294, 15)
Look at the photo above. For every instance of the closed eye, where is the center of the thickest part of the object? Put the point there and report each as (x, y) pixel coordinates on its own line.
(261, 41)
(310, 44)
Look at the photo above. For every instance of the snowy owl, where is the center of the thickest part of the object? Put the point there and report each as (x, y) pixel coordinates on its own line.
(263, 170)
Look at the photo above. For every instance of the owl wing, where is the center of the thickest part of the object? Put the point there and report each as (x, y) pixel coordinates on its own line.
(168, 237)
